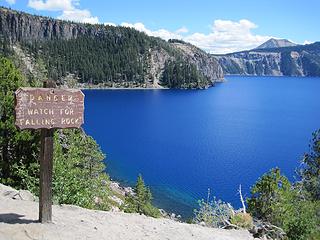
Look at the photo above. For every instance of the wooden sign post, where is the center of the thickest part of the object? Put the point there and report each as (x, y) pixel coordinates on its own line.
(48, 109)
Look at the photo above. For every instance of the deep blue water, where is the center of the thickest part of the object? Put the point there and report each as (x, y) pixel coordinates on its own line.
(186, 141)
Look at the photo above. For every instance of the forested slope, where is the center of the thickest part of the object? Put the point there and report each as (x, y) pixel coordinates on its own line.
(105, 55)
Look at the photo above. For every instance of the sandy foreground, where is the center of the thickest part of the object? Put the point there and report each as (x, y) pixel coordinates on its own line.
(19, 215)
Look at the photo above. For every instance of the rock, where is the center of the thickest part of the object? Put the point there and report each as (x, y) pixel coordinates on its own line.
(17, 195)
(24, 195)
(163, 213)
(115, 209)
(97, 200)
(116, 199)
(128, 191)
(204, 62)
(104, 182)
(7, 191)
(202, 224)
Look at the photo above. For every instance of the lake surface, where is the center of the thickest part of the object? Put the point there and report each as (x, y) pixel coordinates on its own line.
(186, 141)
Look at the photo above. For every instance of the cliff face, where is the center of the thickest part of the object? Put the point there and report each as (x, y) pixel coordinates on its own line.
(204, 61)
(252, 63)
(301, 60)
(18, 26)
(103, 55)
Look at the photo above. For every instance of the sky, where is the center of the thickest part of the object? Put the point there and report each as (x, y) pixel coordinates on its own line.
(216, 26)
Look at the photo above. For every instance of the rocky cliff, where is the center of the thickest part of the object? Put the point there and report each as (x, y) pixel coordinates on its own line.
(204, 61)
(301, 60)
(19, 26)
(105, 55)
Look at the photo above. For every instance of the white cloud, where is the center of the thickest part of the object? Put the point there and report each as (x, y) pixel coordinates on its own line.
(228, 36)
(182, 30)
(11, 1)
(307, 42)
(52, 5)
(70, 10)
(162, 33)
(78, 15)
(225, 35)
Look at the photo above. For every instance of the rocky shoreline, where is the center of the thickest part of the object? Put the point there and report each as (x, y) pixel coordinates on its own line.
(122, 191)
(106, 87)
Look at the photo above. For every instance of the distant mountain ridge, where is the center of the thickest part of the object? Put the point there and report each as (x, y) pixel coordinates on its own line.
(298, 60)
(106, 56)
(276, 43)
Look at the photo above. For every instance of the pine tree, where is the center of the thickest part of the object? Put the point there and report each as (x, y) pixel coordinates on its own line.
(143, 194)
(140, 202)
(310, 171)
(17, 148)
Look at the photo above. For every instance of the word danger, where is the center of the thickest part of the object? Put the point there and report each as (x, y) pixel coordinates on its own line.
(48, 108)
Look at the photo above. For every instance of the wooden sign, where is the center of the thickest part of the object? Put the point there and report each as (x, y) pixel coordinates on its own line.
(49, 108)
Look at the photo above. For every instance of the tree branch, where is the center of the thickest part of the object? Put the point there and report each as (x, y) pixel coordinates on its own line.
(241, 199)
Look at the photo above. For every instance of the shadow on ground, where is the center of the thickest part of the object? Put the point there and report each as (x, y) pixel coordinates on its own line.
(13, 218)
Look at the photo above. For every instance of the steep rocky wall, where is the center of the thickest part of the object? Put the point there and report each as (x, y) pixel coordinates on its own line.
(252, 63)
(204, 61)
(291, 61)
(19, 26)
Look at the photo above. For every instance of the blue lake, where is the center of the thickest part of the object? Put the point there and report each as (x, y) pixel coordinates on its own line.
(186, 141)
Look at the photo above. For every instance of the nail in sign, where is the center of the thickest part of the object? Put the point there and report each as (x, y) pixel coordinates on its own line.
(48, 108)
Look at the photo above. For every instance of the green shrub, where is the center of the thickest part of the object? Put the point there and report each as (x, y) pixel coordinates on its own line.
(242, 220)
(266, 195)
(274, 200)
(214, 213)
(79, 176)
(29, 176)
(19, 149)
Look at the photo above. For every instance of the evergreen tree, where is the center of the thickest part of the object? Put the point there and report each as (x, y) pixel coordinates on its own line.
(266, 193)
(79, 177)
(17, 148)
(275, 200)
(79, 172)
(118, 56)
(140, 201)
(143, 194)
(310, 170)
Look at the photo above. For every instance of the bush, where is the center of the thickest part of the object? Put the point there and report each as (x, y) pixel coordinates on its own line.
(242, 220)
(79, 176)
(19, 149)
(266, 195)
(301, 221)
(214, 213)
(274, 200)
